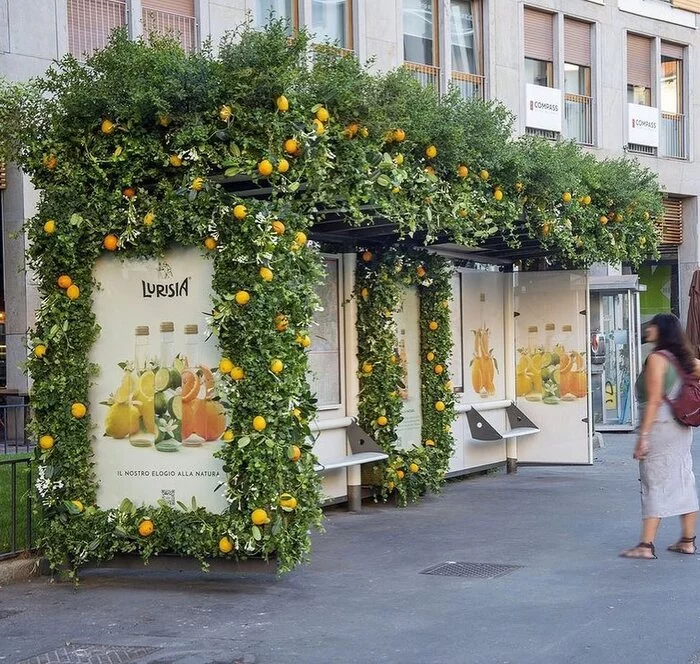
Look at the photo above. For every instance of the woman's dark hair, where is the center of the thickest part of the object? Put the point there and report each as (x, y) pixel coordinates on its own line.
(673, 339)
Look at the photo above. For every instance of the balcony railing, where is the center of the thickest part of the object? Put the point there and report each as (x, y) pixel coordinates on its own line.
(427, 75)
(470, 85)
(543, 133)
(647, 150)
(578, 118)
(673, 136)
(90, 24)
(178, 26)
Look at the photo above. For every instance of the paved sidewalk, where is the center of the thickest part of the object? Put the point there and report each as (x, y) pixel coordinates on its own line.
(363, 599)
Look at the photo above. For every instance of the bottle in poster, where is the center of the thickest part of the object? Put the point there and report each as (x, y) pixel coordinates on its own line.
(143, 397)
(168, 400)
(550, 367)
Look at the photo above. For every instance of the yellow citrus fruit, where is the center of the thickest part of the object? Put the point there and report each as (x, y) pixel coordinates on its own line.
(282, 104)
(431, 152)
(296, 453)
(603, 219)
(367, 256)
(148, 218)
(303, 340)
(382, 421)
(73, 292)
(400, 474)
(146, 528)
(322, 114)
(259, 517)
(367, 368)
(276, 366)
(46, 442)
(175, 160)
(237, 373)
(438, 369)
(259, 423)
(399, 135)
(129, 192)
(225, 113)
(519, 186)
(364, 293)
(430, 356)
(49, 161)
(50, 227)
(64, 281)
(281, 323)
(414, 467)
(430, 443)
(462, 171)
(364, 132)
(282, 166)
(300, 238)
(484, 174)
(430, 170)
(265, 273)
(197, 184)
(399, 159)
(297, 413)
(586, 200)
(210, 243)
(225, 365)
(78, 410)
(287, 502)
(420, 271)
(225, 545)
(566, 197)
(111, 242)
(240, 212)
(278, 227)
(228, 436)
(619, 217)
(242, 297)
(319, 127)
(291, 146)
(439, 406)
(265, 168)
(78, 505)
(433, 325)
(107, 126)
(498, 195)
(39, 351)
(163, 120)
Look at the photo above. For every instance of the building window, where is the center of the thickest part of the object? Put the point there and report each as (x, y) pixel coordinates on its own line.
(331, 21)
(90, 24)
(173, 18)
(539, 48)
(467, 47)
(420, 43)
(639, 69)
(276, 9)
(673, 137)
(578, 102)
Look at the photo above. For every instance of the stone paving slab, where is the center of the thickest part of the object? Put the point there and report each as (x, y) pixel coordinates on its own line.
(363, 598)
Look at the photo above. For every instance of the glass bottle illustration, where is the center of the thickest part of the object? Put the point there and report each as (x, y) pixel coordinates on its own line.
(144, 382)
(566, 364)
(528, 370)
(167, 399)
(550, 366)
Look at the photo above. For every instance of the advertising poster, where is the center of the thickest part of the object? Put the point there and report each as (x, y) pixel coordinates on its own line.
(408, 350)
(483, 335)
(155, 402)
(551, 338)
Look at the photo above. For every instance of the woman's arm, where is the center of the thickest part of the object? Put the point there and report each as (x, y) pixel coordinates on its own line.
(696, 373)
(654, 384)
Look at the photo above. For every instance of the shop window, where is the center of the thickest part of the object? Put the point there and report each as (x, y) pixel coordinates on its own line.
(324, 354)
(467, 47)
(420, 42)
(331, 21)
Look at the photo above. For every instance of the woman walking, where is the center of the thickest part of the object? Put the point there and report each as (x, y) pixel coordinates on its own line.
(663, 444)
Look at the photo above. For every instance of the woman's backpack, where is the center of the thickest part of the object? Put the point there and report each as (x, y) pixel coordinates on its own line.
(686, 405)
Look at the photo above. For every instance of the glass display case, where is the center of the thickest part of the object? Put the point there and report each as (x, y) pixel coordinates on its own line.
(615, 351)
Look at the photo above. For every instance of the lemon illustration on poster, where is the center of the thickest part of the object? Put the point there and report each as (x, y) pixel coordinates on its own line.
(408, 350)
(158, 419)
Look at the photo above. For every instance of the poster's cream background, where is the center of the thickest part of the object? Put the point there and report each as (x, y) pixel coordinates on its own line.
(145, 475)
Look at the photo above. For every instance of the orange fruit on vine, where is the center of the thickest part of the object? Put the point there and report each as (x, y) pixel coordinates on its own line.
(146, 528)
(46, 442)
(78, 410)
(399, 159)
(430, 170)
(265, 168)
(430, 356)
(300, 238)
(237, 373)
(498, 194)
(265, 273)
(64, 281)
(603, 219)
(49, 161)
(73, 292)
(259, 517)
(430, 442)
(420, 271)
(282, 104)
(228, 436)
(175, 160)
(148, 218)
(107, 126)
(197, 184)
(259, 423)
(438, 369)
(50, 227)
(440, 406)
(78, 505)
(287, 502)
(319, 127)
(382, 421)
(291, 146)
(278, 227)
(295, 453)
(462, 171)
(111, 242)
(225, 113)
(322, 115)
(431, 152)
(367, 256)
(281, 322)
(367, 368)
(566, 197)
(399, 135)
(400, 474)
(129, 192)
(225, 365)
(39, 351)
(433, 325)
(242, 297)
(276, 366)
(484, 174)
(225, 545)
(282, 166)
(240, 212)
(414, 467)
(210, 243)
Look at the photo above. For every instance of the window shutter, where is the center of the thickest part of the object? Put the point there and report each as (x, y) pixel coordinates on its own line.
(3, 176)
(91, 22)
(673, 51)
(690, 5)
(638, 60)
(182, 7)
(539, 35)
(577, 42)
(672, 222)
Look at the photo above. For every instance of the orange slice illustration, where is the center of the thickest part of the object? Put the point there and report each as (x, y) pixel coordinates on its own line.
(190, 386)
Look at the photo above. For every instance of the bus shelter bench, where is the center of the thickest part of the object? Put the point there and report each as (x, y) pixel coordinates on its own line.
(364, 449)
(519, 425)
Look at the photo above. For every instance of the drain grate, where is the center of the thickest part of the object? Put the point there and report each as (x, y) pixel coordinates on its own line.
(86, 653)
(471, 570)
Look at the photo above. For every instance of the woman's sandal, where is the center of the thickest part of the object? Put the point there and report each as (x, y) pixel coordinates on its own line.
(677, 547)
(643, 551)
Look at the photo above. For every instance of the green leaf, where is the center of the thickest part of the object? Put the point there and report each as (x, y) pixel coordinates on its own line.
(230, 172)
(257, 534)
